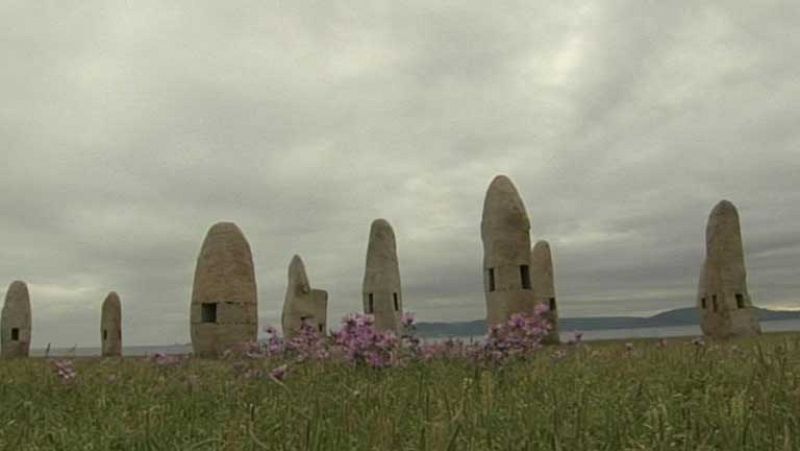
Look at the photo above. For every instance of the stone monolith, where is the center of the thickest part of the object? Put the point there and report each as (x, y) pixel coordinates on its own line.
(224, 308)
(111, 326)
(381, 290)
(726, 309)
(302, 303)
(544, 290)
(15, 324)
(505, 231)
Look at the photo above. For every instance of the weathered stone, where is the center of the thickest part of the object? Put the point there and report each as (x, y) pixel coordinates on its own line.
(15, 324)
(224, 308)
(726, 309)
(111, 326)
(544, 287)
(381, 290)
(302, 303)
(505, 231)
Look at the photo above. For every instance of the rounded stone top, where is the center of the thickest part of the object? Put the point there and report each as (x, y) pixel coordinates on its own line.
(381, 225)
(541, 246)
(225, 226)
(18, 289)
(503, 208)
(112, 299)
(18, 300)
(724, 207)
(381, 236)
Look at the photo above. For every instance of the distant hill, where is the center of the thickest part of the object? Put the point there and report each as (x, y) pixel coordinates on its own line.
(677, 317)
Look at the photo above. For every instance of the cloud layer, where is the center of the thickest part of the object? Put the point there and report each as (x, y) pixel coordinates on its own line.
(128, 128)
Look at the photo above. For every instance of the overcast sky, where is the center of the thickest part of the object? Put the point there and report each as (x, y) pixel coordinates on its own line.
(127, 128)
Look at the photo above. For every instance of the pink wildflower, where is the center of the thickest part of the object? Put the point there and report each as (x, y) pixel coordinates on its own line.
(278, 374)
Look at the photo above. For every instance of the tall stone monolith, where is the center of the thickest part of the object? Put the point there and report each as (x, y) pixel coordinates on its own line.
(303, 303)
(505, 231)
(726, 309)
(15, 324)
(382, 295)
(224, 307)
(544, 290)
(111, 326)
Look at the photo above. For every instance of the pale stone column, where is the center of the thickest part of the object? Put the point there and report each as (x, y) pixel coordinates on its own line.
(382, 295)
(111, 326)
(726, 309)
(224, 306)
(15, 324)
(302, 302)
(544, 286)
(505, 231)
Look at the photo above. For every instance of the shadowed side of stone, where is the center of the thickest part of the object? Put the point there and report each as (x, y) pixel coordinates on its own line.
(544, 286)
(382, 295)
(15, 324)
(111, 326)
(505, 231)
(725, 306)
(224, 306)
(302, 303)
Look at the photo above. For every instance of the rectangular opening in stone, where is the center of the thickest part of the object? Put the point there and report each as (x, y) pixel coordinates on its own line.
(105, 334)
(491, 279)
(319, 326)
(15, 334)
(209, 312)
(525, 275)
(714, 302)
(739, 300)
(552, 304)
(371, 306)
(703, 303)
(396, 303)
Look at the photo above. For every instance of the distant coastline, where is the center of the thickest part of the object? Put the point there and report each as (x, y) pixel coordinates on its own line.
(687, 316)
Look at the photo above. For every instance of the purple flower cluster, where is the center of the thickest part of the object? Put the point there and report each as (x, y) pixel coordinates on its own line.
(358, 342)
(520, 336)
(65, 370)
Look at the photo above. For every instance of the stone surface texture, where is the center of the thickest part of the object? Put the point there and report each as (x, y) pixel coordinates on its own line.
(302, 302)
(15, 324)
(224, 306)
(382, 295)
(544, 286)
(505, 231)
(726, 310)
(111, 326)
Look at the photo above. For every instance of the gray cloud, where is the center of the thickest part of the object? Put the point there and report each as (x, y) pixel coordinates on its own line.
(128, 128)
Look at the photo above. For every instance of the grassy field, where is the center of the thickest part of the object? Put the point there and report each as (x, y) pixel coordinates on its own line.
(738, 395)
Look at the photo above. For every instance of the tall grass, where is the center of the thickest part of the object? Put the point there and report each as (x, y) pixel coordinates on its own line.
(738, 395)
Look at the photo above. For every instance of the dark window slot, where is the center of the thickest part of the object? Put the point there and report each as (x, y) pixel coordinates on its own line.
(396, 302)
(371, 306)
(15, 334)
(209, 313)
(552, 304)
(739, 300)
(525, 275)
(491, 279)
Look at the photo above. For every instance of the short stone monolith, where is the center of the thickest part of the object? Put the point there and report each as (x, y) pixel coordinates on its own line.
(505, 231)
(726, 309)
(382, 295)
(15, 324)
(224, 306)
(111, 326)
(303, 303)
(544, 287)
